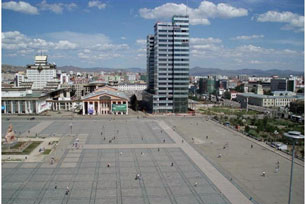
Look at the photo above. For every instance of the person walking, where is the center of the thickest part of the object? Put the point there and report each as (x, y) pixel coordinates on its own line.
(67, 190)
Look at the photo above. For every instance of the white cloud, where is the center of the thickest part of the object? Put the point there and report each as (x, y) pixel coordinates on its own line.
(20, 6)
(123, 38)
(14, 40)
(65, 45)
(96, 3)
(88, 47)
(82, 39)
(56, 7)
(198, 15)
(293, 21)
(247, 37)
(255, 62)
(141, 42)
(205, 40)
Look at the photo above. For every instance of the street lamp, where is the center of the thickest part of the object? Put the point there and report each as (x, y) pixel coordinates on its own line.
(294, 135)
(71, 128)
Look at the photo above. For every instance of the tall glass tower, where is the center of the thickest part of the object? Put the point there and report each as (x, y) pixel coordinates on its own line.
(170, 76)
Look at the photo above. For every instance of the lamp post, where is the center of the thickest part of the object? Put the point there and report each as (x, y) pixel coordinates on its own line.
(294, 135)
(71, 125)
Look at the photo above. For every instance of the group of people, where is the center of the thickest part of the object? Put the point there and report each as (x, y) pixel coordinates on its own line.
(76, 143)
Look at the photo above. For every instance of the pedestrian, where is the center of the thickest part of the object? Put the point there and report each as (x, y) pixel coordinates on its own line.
(172, 164)
(163, 140)
(219, 155)
(207, 137)
(67, 190)
(195, 184)
(263, 174)
(108, 165)
(101, 133)
(251, 146)
(142, 153)
(142, 138)
(182, 141)
(277, 169)
(104, 138)
(158, 149)
(55, 186)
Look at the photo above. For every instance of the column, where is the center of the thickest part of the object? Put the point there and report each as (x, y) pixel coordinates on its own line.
(99, 107)
(59, 105)
(65, 106)
(121, 104)
(29, 106)
(12, 107)
(88, 107)
(26, 107)
(110, 106)
(83, 107)
(5, 104)
(126, 107)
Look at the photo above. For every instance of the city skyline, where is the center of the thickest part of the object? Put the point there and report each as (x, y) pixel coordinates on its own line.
(224, 34)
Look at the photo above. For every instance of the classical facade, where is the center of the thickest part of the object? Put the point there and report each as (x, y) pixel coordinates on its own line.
(104, 101)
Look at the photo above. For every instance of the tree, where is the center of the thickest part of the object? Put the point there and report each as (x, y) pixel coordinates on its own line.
(227, 95)
(134, 102)
(240, 88)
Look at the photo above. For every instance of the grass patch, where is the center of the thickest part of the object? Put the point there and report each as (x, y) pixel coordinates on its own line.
(226, 111)
(27, 151)
(16, 146)
(47, 151)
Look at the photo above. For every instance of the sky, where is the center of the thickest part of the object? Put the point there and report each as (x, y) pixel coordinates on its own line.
(227, 34)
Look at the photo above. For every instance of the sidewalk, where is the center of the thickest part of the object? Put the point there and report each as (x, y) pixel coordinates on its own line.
(225, 187)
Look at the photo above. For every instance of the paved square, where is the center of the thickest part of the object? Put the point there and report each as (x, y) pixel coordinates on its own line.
(170, 170)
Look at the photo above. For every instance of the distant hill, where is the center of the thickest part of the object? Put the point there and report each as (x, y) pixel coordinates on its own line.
(198, 71)
(195, 71)
(13, 69)
(6, 68)
(99, 69)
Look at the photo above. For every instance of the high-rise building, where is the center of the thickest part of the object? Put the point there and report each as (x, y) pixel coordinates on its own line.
(168, 73)
(150, 63)
(278, 84)
(41, 73)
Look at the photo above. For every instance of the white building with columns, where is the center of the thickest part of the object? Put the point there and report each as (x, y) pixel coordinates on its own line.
(22, 101)
(104, 101)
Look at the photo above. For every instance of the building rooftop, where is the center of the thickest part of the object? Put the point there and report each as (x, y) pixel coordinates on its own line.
(106, 91)
(264, 96)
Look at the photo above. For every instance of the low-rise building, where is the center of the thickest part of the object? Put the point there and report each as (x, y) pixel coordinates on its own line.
(22, 101)
(131, 87)
(104, 101)
(265, 101)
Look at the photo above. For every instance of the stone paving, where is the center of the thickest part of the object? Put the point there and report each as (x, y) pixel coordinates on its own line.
(241, 163)
(167, 174)
(20, 126)
(171, 171)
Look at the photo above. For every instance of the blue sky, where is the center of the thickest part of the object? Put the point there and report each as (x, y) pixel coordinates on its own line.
(254, 34)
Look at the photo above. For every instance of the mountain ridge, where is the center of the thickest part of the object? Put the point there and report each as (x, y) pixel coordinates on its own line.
(195, 71)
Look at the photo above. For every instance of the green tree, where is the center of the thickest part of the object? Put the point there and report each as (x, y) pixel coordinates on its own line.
(134, 102)
(227, 95)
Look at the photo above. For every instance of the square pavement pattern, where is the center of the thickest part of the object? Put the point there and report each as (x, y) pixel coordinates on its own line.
(18, 126)
(130, 131)
(167, 176)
